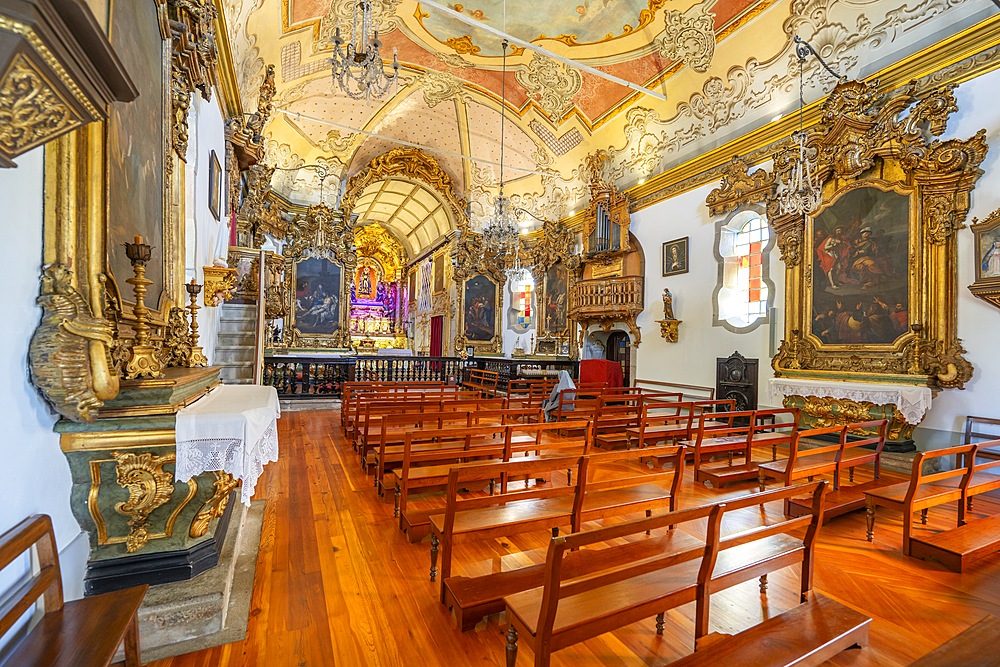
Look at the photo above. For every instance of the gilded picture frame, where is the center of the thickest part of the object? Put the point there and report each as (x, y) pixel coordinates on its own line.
(215, 185)
(889, 150)
(986, 255)
(554, 326)
(480, 315)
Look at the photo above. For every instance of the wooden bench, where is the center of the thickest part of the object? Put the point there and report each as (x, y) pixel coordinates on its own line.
(966, 648)
(566, 611)
(925, 489)
(809, 634)
(81, 633)
(425, 469)
(350, 390)
(726, 433)
(769, 431)
(958, 547)
(529, 393)
(506, 513)
(689, 392)
(481, 380)
(352, 405)
(612, 420)
(375, 410)
(661, 423)
(472, 598)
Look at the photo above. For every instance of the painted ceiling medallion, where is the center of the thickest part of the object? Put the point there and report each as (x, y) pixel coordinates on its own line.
(551, 84)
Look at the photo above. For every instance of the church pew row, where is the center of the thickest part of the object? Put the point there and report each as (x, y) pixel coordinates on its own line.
(568, 609)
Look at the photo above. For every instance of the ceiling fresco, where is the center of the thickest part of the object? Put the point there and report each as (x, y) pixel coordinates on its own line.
(725, 67)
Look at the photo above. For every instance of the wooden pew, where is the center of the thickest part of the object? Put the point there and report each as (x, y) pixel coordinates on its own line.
(769, 431)
(482, 381)
(352, 401)
(690, 392)
(529, 393)
(374, 410)
(805, 461)
(661, 423)
(473, 598)
(613, 416)
(506, 513)
(567, 611)
(925, 489)
(808, 634)
(81, 633)
(349, 391)
(959, 547)
(425, 470)
(726, 433)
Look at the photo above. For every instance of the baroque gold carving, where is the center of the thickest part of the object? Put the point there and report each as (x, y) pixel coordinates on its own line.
(220, 281)
(824, 411)
(63, 346)
(867, 139)
(245, 135)
(215, 506)
(148, 486)
(31, 111)
(176, 348)
(739, 187)
(463, 45)
(669, 330)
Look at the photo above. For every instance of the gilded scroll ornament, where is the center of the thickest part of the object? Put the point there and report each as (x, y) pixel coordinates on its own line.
(740, 187)
(215, 506)
(824, 411)
(148, 486)
(66, 342)
(177, 342)
(31, 112)
(892, 277)
(180, 107)
(220, 281)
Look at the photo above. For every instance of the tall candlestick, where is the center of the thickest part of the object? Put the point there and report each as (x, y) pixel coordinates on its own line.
(197, 356)
(143, 361)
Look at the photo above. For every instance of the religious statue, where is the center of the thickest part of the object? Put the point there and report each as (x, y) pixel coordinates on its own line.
(668, 304)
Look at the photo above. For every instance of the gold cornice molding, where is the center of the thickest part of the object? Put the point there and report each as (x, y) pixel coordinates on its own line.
(107, 440)
(757, 145)
(228, 88)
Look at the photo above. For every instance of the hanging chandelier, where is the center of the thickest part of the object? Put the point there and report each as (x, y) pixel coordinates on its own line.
(501, 238)
(358, 70)
(802, 193)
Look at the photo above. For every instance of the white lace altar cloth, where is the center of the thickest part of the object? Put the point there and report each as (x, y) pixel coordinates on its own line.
(912, 402)
(233, 429)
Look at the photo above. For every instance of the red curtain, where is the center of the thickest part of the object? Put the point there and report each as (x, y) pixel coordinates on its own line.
(437, 335)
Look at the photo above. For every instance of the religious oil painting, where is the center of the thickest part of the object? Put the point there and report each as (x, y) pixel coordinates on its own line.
(554, 293)
(317, 296)
(439, 274)
(675, 257)
(214, 185)
(860, 292)
(480, 304)
(137, 146)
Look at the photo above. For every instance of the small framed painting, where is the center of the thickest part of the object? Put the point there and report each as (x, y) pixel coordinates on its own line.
(675, 257)
(215, 185)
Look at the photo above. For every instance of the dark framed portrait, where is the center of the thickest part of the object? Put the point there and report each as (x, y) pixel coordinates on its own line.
(214, 185)
(675, 257)
(317, 296)
(860, 286)
(480, 305)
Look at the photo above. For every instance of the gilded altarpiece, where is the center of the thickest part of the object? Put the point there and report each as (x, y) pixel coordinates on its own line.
(871, 275)
(555, 269)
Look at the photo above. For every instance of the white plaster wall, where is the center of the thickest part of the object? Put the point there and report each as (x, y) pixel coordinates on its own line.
(205, 237)
(692, 359)
(35, 476)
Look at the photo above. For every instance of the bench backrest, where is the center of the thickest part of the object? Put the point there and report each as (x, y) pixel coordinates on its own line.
(796, 450)
(955, 462)
(691, 392)
(724, 425)
(35, 531)
(989, 463)
(713, 405)
(978, 429)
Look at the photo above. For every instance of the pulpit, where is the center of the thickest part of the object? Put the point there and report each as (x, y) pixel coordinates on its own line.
(829, 403)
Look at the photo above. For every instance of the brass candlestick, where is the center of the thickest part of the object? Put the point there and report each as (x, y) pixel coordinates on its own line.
(142, 361)
(197, 356)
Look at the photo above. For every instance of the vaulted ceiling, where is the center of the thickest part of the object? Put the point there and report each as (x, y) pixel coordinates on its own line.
(725, 67)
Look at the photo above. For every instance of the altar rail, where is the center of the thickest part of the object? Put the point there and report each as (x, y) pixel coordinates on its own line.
(305, 377)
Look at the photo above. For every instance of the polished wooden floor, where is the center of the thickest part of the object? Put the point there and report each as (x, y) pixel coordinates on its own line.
(338, 584)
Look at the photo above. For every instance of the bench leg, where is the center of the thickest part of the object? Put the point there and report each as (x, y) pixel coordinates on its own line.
(398, 494)
(649, 513)
(659, 623)
(131, 643)
(870, 520)
(763, 585)
(511, 649)
(774, 453)
(555, 531)
(850, 474)
(923, 517)
(434, 556)
(761, 480)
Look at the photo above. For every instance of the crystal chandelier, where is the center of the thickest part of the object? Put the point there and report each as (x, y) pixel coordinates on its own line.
(500, 235)
(802, 194)
(358, 70)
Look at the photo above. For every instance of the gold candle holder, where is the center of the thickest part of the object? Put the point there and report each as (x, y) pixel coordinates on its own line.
(197, 356)
(142, 362)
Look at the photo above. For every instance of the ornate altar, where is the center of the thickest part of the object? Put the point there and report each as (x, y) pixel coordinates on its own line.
(871, 275)
(375, 313)
(555, 268)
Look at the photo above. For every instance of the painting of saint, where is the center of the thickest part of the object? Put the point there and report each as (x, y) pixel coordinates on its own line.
(860, 292)
(990, 265)
(136, 146)
(317, 296)
(555, 299)
(480, 305)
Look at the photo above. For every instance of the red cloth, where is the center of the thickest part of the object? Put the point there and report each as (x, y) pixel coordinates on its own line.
(598, 371)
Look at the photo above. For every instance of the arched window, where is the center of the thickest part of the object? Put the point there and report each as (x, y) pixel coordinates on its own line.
(745, 292)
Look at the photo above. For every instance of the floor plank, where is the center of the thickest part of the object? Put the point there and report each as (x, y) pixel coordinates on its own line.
(338, 584)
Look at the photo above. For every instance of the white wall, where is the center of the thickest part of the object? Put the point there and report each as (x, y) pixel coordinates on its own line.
(205, 237)
(34, 478)
(692, 359)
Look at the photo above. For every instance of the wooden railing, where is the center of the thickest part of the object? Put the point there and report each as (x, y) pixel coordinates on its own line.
(305, 377)
(598, 296)
(386, 368)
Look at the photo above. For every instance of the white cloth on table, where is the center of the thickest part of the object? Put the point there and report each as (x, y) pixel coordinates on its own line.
(912, 402)
(233, 429)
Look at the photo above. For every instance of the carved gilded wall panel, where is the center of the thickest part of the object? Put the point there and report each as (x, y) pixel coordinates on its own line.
(871, 276)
